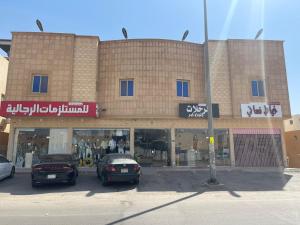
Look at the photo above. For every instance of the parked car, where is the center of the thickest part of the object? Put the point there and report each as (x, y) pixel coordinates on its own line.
(7, 168)
(118, 168)
(55, 168)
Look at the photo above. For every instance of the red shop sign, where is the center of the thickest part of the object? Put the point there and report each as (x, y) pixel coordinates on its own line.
(42, 109)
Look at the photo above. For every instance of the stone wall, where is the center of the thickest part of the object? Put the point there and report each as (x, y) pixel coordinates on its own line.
(154, 65)
(40, 53)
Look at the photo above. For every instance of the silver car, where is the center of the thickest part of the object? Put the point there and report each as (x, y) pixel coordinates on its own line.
(7, 169)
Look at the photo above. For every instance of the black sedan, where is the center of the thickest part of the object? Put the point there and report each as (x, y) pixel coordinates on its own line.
(55, 168)
(118, 168)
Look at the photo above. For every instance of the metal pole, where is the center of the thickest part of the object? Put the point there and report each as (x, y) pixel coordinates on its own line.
(211, 146)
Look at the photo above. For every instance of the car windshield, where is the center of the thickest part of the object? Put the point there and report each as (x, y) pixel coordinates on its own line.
(56, 158)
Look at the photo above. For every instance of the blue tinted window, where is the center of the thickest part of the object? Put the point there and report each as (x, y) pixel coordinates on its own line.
(127, 87)
(254, 88)
(130, 88)
(40, 84)
(182, 88)
(185, 89)
(36, 84)
(123, 88)
(261, 91)
(179, 88)
(44, 84)
(258, 88)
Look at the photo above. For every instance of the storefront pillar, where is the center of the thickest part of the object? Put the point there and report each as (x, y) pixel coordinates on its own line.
(132, 141)
(284, 154)
(173, 151)
(69, 140)
(10, 145)
(231, 146)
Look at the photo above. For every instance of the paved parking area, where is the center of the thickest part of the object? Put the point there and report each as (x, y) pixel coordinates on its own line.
(162, 197)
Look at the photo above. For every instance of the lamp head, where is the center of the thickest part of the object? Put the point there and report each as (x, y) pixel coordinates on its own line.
(124, 33)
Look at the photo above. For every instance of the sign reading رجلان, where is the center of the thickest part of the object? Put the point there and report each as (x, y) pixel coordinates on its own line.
(261, 110)
(45, 109)
(194, 110)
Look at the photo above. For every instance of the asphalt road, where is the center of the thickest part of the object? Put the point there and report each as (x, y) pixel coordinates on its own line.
(162, 197)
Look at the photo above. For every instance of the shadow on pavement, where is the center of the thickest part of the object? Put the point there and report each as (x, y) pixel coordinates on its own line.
(154, 208)
(157, 181)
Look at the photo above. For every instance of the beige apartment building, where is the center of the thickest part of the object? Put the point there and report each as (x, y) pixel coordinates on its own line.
(78, 94)
(4, 127)
(292, 138)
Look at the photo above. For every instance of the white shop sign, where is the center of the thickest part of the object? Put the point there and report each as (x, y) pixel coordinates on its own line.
(261, 110)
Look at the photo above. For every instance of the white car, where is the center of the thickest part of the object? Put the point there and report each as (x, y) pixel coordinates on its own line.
(7, 168)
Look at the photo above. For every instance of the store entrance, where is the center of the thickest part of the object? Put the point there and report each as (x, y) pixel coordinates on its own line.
(192, 147)
(90, 145)
(152, 147)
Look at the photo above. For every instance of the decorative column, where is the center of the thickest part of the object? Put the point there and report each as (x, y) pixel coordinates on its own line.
(173, 150)
(70, 140)
(231, 147)
(283, 145)
(10, 145)
(132, 141)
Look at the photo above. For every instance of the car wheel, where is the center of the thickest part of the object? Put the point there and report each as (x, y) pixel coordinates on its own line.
(12, 172)
(104, 180)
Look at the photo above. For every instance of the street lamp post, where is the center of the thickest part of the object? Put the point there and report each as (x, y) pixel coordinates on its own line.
(211, 146)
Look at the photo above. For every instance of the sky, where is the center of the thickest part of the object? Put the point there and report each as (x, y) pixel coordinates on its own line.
(166, 19)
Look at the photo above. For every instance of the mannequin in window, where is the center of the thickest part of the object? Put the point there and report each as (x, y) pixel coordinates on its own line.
(195, 142)
(112, 145)
(121, 145)
(104, 146)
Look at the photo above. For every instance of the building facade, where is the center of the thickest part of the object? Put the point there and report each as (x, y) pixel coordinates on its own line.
(292, 138)
(4, 127)
(77, 94)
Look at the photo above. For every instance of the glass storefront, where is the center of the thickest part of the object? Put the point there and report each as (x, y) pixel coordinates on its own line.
(152, 147)
(31, 143)
(192, 147)
(222, 147)
(91, 144)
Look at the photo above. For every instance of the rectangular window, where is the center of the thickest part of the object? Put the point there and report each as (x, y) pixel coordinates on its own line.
(258, 88)
(126, 87)
(39, 84)
(182, 88)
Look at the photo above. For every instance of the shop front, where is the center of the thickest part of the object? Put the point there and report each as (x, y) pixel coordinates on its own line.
(89, 145)
(258, 147)
(192, 147)
(152, 142)
(152, 147)
(31, 143)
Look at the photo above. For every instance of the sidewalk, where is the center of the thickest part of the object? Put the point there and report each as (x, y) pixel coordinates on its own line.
(150, 170)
